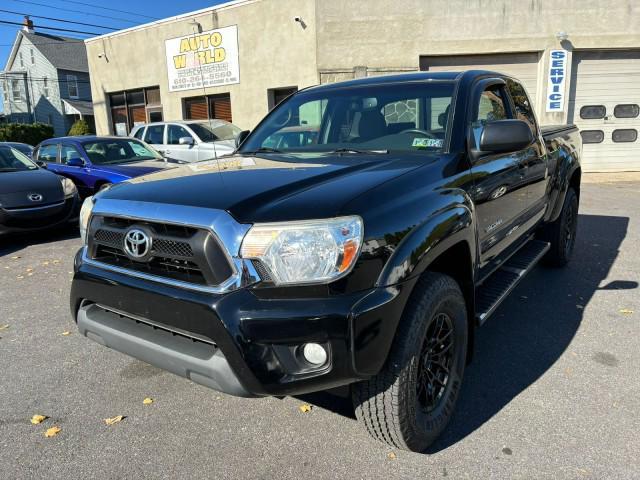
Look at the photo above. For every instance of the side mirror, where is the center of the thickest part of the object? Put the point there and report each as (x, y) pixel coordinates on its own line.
(185, 141)
(75, 162)
(504, 136)
(241, 137)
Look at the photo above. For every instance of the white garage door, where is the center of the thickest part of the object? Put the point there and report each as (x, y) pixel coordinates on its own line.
(604, 101)
(523, 66)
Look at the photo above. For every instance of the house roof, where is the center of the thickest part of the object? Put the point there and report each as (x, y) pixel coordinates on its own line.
(79, 107)
(63, 52)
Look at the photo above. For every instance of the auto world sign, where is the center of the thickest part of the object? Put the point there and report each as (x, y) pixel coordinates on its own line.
(556, 80)
(206, 59)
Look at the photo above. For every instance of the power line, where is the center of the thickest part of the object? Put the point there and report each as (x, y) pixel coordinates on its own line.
(50, 28)
(111, 9)
(76, 11)
(58, 20)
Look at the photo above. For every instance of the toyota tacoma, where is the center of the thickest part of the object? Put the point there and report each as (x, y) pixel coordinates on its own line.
(364, 254)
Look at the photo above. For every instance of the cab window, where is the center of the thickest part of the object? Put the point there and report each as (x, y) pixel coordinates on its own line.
(154, 135)
(491, 107)
(139, 133)
(522, 105)
(48, 153)
(67, 152)
(175, 133)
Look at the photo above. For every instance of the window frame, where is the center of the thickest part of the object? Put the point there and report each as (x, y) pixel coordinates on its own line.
(33, 57)
(627, 105)
(72, 80)
(176, 125)
(15, 82)
(69, 145)
(582, 132)
(592, 118)
(535, 128)
(57, 156)
(164, 134)
(625, 130)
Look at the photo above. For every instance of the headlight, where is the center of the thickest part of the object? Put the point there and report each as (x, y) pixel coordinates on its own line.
(316, 251)
(68, 186)
(85, 215)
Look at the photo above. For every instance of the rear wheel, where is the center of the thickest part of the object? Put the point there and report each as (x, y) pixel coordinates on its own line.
(561, 234)
(410, 402)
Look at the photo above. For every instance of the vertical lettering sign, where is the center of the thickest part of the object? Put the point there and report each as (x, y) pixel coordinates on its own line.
(556, 80)
(206, 59)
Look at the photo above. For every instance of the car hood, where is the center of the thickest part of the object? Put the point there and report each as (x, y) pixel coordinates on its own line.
(16, 186)
(269, 188)
(135, 169)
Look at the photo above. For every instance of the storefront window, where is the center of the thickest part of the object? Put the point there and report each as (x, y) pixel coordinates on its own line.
(134, 107)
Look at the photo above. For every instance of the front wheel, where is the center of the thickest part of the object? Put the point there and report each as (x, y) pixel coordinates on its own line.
(411, 400)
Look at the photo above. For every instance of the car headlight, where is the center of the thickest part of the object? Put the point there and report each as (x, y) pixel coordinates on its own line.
(85, 215)
(315, 251)
(68, 186)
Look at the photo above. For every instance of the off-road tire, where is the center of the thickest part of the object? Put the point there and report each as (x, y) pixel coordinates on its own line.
(561, 233)
(388, 404)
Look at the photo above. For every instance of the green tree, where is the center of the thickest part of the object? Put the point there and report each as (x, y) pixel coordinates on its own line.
(80, 127)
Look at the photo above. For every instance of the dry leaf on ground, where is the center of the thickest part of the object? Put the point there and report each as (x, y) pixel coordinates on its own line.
(36, 419)
(52, 432)
(305, 408)
(391, 456)
(15, 257)
(4, 327)
(66, 333)
(626, 311)
(147, 401)
(112, 420)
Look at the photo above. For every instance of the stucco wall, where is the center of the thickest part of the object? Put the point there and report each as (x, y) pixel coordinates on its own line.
(274, 51)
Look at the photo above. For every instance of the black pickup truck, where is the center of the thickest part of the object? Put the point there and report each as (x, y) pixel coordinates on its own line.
(358, 236)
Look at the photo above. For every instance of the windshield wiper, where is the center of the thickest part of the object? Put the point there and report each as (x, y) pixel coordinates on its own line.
(263, 150)
(359, 151)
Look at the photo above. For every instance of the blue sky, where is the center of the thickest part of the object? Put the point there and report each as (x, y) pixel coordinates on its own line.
(138, 12)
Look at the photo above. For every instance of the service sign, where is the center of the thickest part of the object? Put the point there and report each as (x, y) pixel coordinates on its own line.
(556, 80)
(206, 59)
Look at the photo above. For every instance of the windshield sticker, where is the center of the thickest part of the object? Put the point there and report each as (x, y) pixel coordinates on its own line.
(427, 143)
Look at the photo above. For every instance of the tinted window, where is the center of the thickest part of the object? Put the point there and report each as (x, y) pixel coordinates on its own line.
(590, 112)
(48, 153)
(523, 108)
(592, 136)
(112, 151)
(490, 108)
(366, 117)
(12, 160)
(630, 110)
(154, 134)
(139, 133)
(67, 152)
(215, 130)
(625, 135)
(174, 133)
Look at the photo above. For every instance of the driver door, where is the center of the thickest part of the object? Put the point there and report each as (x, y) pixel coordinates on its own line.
(175, 151)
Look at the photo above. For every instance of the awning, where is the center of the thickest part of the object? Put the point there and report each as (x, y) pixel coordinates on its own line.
(77, 107)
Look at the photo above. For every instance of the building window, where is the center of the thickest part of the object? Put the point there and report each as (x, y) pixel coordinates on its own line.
(593, 112)
(33, 57)
(50, 119)
(134, 107)
(209, 107)
(72, 86)
(45, 87)
(21, 61)
(277, 95)
(592, 136)
(629, 110)
(16, 94)
(624, 135)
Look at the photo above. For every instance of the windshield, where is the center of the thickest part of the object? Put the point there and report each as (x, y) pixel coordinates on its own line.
(411, 117)
(11, 160)
(214, 131)
(112, 151)
(23, 148)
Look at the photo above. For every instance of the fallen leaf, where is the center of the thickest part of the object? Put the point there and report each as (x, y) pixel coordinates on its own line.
(16, 257)
(36, 419)
(4, 327)
(147, 401)
(305, 408)
(66, 333)
(626, 311)
(112, 420)
(52, 432)
(391, 456)
(55, 262)
(45, 263)
(20, 277)
(29, 270)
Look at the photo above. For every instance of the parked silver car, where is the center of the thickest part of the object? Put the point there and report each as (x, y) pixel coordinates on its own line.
(189, 141)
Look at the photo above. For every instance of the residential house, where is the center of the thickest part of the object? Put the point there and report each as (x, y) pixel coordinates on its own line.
(46, 80)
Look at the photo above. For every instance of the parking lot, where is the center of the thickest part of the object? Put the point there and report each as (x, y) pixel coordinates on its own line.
(552, 391)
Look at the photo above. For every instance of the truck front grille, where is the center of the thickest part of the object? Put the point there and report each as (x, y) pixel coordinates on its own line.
(178, 253)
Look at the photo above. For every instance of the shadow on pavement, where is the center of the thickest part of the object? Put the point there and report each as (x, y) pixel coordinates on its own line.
(528, 332)
(16, 242)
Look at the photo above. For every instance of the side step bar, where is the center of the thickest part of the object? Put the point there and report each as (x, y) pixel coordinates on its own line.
(500, 284)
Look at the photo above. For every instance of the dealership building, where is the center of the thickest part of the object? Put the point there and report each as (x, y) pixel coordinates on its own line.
(578, 59)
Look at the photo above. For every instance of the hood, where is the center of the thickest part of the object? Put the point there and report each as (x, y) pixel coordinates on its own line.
(16, 186)
(134, 169)
(260, 189)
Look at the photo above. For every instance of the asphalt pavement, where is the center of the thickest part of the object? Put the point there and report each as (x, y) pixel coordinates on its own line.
(553, 390)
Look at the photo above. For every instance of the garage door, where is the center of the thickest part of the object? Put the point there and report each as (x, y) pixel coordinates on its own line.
(523, 66)
(604, 101)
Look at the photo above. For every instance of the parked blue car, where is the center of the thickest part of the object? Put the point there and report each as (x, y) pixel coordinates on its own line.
(94, 162)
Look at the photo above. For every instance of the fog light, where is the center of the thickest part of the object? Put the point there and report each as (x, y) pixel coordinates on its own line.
(314, 353)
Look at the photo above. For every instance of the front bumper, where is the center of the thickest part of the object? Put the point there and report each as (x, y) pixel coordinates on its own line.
(39, 218)
(243, 342)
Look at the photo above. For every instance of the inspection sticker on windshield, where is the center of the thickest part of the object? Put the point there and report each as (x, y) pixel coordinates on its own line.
(427, 143)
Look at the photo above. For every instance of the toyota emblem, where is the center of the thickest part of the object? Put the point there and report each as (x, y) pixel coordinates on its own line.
(137, 244)
(35, 197)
